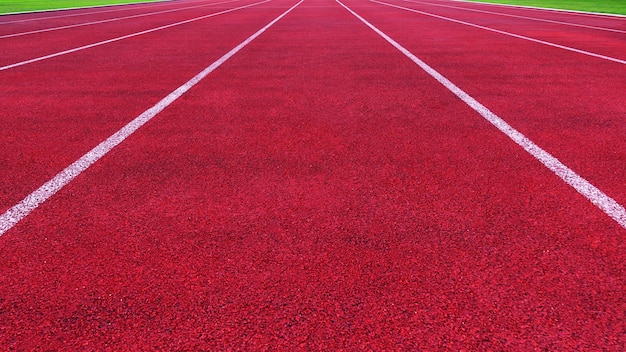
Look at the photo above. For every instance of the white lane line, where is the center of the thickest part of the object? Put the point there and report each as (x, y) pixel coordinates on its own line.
(550, 9)
(117, 8)
(584, 52)
(48, 189)
(69, 51)
(112, 19)
(593, 194)
(521, 17)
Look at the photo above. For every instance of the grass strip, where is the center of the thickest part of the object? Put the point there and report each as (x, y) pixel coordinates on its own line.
(601, 6)
(8, 6)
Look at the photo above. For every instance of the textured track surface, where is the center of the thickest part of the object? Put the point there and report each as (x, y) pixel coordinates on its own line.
(318, 191)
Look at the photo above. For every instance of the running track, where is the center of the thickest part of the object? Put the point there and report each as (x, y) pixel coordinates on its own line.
(319, 190)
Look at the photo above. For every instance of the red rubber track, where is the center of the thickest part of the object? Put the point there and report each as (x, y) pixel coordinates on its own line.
(598, 42)
(56, 110)
(316, 192)
(569, 104)
(10, 25)
(42, 44)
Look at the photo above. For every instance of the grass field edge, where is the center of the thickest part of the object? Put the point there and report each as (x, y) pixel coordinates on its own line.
(544, 8)
(81, 7)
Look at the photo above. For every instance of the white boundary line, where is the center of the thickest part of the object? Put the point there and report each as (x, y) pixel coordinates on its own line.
(83, 7)
(584, 52)
(48, 189)
(521, 17)
(111, 20)
(69, 51)
(115, 9)
(549, 9)
(593, 194)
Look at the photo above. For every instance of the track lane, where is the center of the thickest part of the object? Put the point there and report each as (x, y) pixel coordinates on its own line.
(55, 111)
(582, 186)
(525, 17)
(45, 44)
(107, 20)
(603, 45)
(50, 188)
(569, 104)
(363, 207)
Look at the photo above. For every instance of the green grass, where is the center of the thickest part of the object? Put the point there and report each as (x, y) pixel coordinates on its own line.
(605, 6)
(7, 6)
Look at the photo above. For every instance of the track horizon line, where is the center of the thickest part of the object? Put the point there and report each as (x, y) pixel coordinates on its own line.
(598, 198)
(31, 202)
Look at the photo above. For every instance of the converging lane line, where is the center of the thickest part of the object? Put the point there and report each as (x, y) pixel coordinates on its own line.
(69, 51)
(112, 20)
(520, 17)
(592, 193)
(609, 58)
(48, 189)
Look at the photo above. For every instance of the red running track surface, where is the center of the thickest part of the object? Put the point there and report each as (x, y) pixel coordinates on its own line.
(318, 191)
(568, 103)
(604, 38)
(51, 108)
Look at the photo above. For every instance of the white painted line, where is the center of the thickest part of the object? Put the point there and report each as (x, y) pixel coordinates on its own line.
(584, 52)
(117, 8)
(593, 194)
(549, 9)
(81, 7)
(48, 189)
(69, 51)
(111, 20)
(521, 17)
